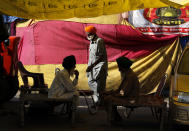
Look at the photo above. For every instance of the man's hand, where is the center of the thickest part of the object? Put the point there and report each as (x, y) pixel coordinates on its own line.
(76, 72)
(121, 92)
(89, 68)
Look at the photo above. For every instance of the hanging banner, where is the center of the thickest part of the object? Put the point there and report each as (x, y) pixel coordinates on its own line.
(120, 40)
(44, 45)
(165, 20)
(62, 9)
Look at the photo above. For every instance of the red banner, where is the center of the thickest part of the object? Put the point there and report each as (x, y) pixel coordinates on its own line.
(48, 42)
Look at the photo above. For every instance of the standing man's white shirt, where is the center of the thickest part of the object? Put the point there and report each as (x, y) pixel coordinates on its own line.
(62, 86)
(97, 76)
(96, 49)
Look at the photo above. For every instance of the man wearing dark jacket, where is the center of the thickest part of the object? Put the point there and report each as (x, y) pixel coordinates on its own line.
(128, 89)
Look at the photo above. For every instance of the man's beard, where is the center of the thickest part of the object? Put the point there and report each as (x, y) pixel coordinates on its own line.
(91, 37)
(72, 73)
(123, 74)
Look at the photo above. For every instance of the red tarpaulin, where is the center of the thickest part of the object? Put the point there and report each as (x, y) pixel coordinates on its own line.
(48, 42)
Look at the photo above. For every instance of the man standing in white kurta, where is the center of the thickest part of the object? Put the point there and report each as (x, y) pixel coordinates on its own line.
(97, 63)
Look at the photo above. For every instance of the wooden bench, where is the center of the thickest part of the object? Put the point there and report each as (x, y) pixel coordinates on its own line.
(38, 92)
(26, 97)
(155, 111)
(143, 101)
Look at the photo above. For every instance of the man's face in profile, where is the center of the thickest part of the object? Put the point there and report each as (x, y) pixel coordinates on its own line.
(72, 71)
(90, 36)
(121, 69)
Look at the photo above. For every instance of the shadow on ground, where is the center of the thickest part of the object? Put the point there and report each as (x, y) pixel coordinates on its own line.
(39, 119)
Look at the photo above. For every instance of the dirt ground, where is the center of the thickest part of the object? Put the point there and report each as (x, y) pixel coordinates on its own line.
(39, 119)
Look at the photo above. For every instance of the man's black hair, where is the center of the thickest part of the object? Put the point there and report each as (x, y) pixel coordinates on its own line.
(69, 62)
(124, 62)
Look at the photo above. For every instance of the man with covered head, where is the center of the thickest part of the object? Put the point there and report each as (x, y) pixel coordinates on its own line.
(128, 89)
(130, 84)
(97, 63)
(62, 86)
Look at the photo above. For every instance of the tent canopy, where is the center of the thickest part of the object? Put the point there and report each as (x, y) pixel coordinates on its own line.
(62, 9)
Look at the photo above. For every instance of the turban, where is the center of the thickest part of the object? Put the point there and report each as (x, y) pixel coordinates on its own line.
(69, 62)
(124, 62)
(90, 29)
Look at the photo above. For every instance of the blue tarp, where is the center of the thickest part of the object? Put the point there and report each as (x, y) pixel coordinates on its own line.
(183, 41)
(9, 19)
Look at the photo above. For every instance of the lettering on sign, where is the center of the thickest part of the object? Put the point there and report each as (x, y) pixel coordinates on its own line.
(110, 3)
(168, 16)
(13, 0)
(32, 3)
(49, 4)
(52, 6)
(65, 4)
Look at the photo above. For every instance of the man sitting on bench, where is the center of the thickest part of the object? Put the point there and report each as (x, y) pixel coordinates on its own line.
(128, 89)
(62, 86)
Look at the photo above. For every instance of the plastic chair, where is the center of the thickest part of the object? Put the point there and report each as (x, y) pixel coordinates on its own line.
(38, 79)
(155, 111)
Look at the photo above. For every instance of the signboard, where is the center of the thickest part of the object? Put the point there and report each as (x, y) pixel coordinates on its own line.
(165, 20)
